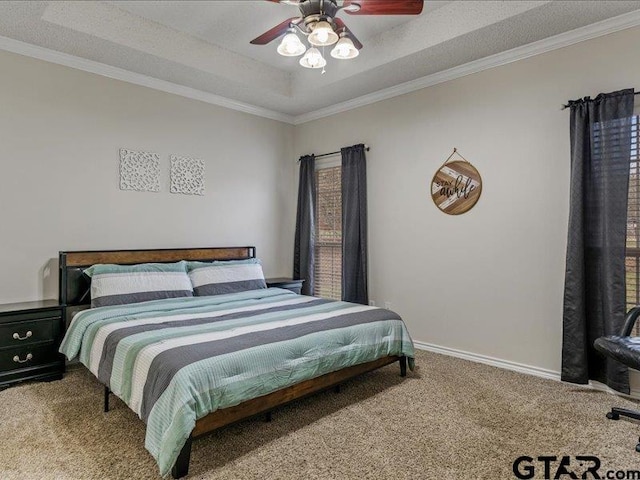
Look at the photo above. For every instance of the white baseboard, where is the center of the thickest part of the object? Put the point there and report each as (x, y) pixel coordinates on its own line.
(635, 392)
(521, 367)
(494, 362)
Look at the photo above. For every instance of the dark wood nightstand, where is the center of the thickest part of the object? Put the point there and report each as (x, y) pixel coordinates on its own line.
(289, 283)
(30, 334)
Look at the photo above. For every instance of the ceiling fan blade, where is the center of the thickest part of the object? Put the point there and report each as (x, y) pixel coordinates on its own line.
(342, 27)
(384, 7)
(275, 32)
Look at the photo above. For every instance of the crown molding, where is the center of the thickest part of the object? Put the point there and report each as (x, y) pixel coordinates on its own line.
(91, 66)
(604, 27)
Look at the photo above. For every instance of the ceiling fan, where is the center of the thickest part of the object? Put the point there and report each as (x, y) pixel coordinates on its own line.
(319, 23)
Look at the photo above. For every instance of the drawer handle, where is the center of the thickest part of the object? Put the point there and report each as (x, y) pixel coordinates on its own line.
(17, 358)
(16, 336)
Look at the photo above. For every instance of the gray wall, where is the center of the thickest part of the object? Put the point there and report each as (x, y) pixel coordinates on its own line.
(60, 131)
(490, 281)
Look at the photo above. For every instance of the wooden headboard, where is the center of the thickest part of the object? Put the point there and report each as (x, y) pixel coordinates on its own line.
(75, 287)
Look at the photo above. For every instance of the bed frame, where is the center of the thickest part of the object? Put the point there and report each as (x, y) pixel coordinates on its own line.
(75, 296)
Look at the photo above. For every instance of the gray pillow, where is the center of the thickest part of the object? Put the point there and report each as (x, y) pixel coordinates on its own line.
(221, 277)
(123, 284)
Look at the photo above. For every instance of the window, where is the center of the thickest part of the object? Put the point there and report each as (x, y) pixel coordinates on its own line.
(632, 261)
(328, 264)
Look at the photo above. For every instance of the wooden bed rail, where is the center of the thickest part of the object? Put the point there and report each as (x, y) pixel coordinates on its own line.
(266, 403)
(85, 259)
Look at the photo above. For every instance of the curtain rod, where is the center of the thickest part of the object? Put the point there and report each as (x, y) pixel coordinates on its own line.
(366, 148)
(567, 105)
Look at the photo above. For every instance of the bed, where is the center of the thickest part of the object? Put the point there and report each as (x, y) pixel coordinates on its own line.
(188, 366)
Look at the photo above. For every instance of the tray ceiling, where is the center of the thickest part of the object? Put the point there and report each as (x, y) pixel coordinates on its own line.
(204, 45)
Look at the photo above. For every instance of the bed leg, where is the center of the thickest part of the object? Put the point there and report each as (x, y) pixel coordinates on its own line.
(181, 467)
(267, 416)
(403, 366)
(337, 388)
(106, 399)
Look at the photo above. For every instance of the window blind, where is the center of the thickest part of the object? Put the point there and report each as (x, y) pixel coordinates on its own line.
(328, 263)
(632, 261)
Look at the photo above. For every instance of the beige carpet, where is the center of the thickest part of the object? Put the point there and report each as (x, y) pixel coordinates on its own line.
(451, 419)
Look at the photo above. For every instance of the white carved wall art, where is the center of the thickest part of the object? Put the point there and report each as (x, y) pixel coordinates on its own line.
(187, 175)
(139, 171)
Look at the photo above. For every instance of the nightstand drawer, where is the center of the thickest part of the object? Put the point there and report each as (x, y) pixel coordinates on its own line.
(24, 333)
(30, 334)
(27, 356)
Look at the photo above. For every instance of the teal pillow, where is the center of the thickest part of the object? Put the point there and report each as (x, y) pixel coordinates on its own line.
(124, 284)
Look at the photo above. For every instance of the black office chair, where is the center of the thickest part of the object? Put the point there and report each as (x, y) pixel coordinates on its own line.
(625, 349)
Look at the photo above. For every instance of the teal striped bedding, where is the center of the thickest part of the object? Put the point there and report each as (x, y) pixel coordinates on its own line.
(173, 361)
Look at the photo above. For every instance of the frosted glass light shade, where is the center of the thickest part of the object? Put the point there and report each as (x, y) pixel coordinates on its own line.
(345, 49)
(322, 35)
(313, 59)
(291, 46)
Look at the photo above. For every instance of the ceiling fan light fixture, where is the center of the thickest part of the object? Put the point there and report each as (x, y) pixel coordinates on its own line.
(345, 49)
(322, 35)
(291, 46)
(313, 59)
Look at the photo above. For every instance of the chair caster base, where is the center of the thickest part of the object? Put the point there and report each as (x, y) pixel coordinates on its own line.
(638, 448)
(613, 416)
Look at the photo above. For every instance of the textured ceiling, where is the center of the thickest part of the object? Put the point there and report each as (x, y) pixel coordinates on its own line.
(204, 45)
(232, 24)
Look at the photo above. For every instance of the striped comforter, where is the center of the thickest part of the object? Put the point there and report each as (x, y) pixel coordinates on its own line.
(173, 361)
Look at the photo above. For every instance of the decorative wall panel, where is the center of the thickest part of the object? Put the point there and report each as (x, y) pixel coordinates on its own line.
(187, 175)
(139, 171)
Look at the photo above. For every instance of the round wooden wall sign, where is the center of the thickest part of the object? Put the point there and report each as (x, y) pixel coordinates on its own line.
(456, 187)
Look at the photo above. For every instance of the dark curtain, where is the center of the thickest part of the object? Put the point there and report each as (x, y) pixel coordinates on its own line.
(594, 294)
(354, 225)
(304, 250)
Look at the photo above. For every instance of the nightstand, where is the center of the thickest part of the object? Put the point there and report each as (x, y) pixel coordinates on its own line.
(30, 334)
(289, 283)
